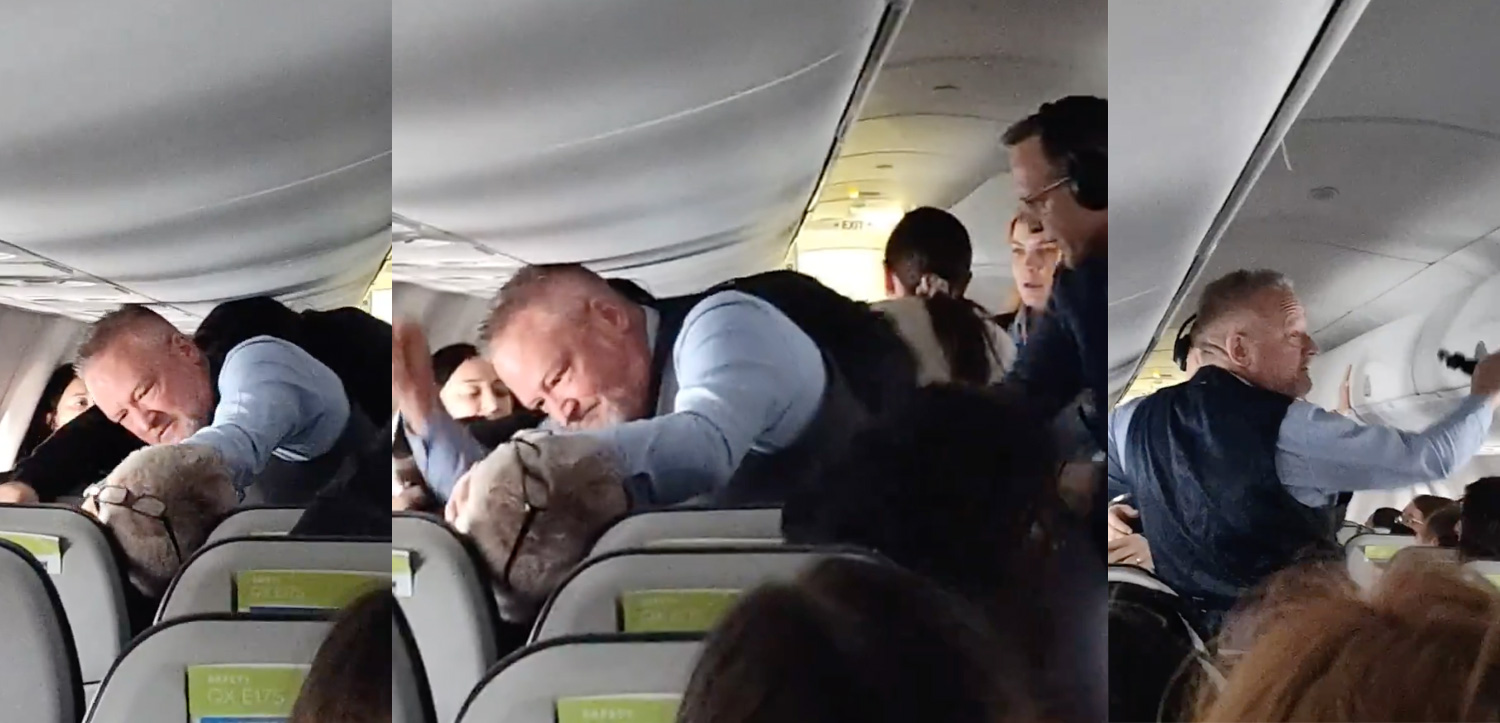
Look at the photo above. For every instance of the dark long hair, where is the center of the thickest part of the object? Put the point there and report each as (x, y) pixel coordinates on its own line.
(46, 409)
(960, 327)
(350, 679)
(930, 241)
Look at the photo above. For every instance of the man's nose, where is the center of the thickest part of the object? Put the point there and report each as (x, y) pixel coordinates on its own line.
(568, 411)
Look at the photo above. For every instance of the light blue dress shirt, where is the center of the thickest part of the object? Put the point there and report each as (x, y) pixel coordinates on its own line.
(274, 399)
(743, 378)
(1320, 454)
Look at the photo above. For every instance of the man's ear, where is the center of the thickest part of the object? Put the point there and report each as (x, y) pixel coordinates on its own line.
(611, 313)
(1238, 347)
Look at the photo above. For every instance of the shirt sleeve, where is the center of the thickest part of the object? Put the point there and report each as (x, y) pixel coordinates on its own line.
(444, 452)
(1119, 424)
(747, 377)
(1322, 453)
(273, 396)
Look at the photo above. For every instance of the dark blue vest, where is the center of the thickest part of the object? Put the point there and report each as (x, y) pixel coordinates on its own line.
(1204, 475)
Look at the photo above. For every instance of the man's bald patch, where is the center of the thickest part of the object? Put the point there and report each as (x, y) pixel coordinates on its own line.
(133, 323)
(1239, 299)
(562, 289)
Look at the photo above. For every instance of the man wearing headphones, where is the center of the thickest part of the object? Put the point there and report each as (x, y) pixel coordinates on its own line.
(1059, 161)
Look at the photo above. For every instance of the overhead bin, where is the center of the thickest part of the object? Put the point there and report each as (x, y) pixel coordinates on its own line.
(1397, 377)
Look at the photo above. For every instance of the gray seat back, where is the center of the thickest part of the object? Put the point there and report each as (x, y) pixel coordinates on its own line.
(88, 582)
(526, 686)
(1367, 555)
(150, 682)
(598, 597)
(255, 522)
(451, 610)
(208, 582)
(411, 696)
(39, 679)
(706, 527)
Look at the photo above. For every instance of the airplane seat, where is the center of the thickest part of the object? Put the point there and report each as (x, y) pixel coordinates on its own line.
(588, 677)
(1487, 569)
(411, 694)
(257, 520)
(755, 525)
(216, 666)
(247, 574)
(39, 678)
(1140, 577)
(444, 592)
(85, 568)
(668, 589)
(1366, 555)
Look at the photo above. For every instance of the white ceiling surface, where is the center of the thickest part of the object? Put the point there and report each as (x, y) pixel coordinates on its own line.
(1194, 87)
(679, 142)
(182, 153)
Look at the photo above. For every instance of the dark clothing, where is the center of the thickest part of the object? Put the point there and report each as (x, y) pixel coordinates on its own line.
(1068, 351)
(79, 454)
(356, 503)
(1211, 500)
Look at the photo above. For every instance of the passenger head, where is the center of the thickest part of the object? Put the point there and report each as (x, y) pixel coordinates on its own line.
(1388, 519)
(64, 398)
(851, 640)
(566, 343)
(146, 376)
(1059, 160)
(1252, 324)
(161, 502)
(350, 677)
(1421, 507)
(928, 254)
(1479, 519)
(1422, 646)
(1441, 528)
(1033, 262)
(534, 507)
(467, 384)
(1151, 656)
(929, 487)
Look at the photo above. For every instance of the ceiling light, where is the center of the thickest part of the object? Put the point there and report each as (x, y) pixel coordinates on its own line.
(879, 217)
(945, 87)
(1323, 193)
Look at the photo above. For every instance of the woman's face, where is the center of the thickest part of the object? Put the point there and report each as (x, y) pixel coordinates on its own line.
(1412, 517)
(1033, 263)
(74, 401)
(475, 391)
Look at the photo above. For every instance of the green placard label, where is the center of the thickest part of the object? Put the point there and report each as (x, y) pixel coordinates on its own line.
(1381, 553)
(619, 709)
(401, 573)
(1494, 579)
(47, 549)
(302, 589)
(242, 693)
(674, 611)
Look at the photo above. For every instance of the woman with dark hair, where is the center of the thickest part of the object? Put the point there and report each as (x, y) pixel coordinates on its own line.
(63, 398)
(851, 640)
(1421, 508)
(350, 677)
(467, 384)
(927, 265)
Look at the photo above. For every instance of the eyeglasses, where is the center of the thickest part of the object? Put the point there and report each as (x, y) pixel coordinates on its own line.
(535, 495)
(1030, 202)
(147, 505)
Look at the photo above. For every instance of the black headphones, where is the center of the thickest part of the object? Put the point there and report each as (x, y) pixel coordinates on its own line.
(1087, 165)
(1184, 343)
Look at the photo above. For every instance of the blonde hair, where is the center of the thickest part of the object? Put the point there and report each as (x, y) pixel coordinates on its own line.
(1422, 646)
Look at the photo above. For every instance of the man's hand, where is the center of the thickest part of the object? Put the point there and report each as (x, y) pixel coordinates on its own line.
(458, 500)
(1487, 379)
(414, 387)
(18, 493)
(1131, 550)
(1119, 521)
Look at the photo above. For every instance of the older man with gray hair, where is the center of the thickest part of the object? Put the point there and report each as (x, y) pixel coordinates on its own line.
(1234, 476)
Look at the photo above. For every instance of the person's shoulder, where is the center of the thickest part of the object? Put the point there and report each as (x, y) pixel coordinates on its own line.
(734, 307)
(265, 348)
